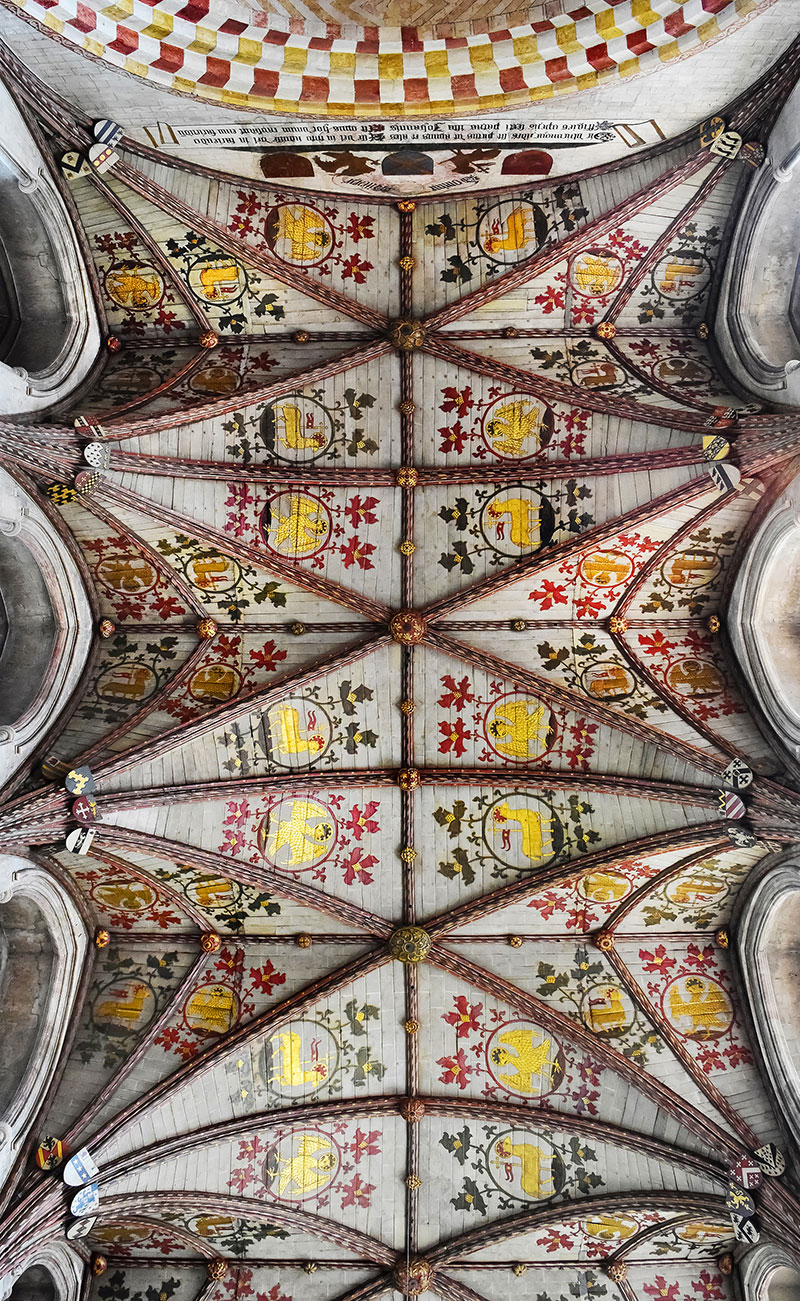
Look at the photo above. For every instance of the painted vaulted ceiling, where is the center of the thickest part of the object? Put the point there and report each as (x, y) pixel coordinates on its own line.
(411, 712)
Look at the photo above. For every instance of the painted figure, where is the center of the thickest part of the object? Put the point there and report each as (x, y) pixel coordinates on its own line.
(285, 720)
(535, 1172)
(307, 835)
(519, 728)
(608, 680)
(511, 425)
(523, 515)
(527, 1064)
(124, 896)
(530, 824)
(215, 682)
(606, 1010)
(606, 568)
(308, 1169)
(124, 574)
(513, 234)
(304, 230)
(220, 281)
(596, 275)
(296, 1071)
(298, 430)
(604, 887)
(126, 682)
(123, 1005)
(133, 287)
(707, 1007)
(212, 1009)
(299, 525)
(679, 277)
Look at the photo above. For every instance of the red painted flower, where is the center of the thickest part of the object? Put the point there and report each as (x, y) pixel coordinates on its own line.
(454, 737)
(362, 820)
(661, 1288)
(267, 977)
(456, 694)
(453, 437)
(365, 1144)
(464, 1016)
(357, 867)
(356, 552)
(355, 269)
(455, 1070)
(656, 643)
(458, 400)
(357, 1193)
(549, 594)
(268, 657)
(658, 960)
(361, 510)
(359, 227)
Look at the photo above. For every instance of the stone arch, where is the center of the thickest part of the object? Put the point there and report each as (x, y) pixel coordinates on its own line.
(49, 332)
(45, 624)
(770, 1273)
(44, 920)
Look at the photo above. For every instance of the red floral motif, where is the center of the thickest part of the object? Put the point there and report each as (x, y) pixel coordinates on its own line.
(661, 1288)
(361, 820)
(267, 977)
(465, 1016)
(365, 1144)
(549, 594)
(357, 867)
(356, 268)
(361, 510)
(455, 1070)
(658, 960)
(359, 227)
(454, 737)
(453, 437)
(357, 1193)
(458, 400)
(356, 552)
(457, 694)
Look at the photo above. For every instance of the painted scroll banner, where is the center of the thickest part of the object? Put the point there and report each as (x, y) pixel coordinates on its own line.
(389, 159)
(499, 131)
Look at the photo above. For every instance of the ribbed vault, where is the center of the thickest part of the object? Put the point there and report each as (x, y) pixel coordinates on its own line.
(411, 720)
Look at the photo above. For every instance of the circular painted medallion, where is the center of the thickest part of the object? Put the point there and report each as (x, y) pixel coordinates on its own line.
(211, 1009)
(210, 892)
(517, 521)
(519, 728)
(694, 677)
(297, 834)
(607, 1009)
(515, 426)
(299, 234)
(611, 1228)
(217, 280)
(698, 1007)
(213, 572)
(296, 732)
(210, 1226)
(695, 888)
(296, 525)
(596, 272)
(700, 1231)
(608, 680)
(689, 569)
(124, 1006)
(681, 275)
(524, 1059)
(606, 886)
(301, 1163)
(524, 1165)
(130, 382)
(522, 831)
(131, 575)
(215, 380)
(135, 286)
(214, 683)
(511, 230)
(301, 1059)
(605, 568)
(127, 682)
(296, 428)
(682, 370)
(124, 896)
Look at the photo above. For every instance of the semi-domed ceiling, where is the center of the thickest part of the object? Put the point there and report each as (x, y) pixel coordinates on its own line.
(413, 730)
(367, 58)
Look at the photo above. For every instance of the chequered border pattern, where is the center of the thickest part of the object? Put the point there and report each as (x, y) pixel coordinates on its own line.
(190, 46)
